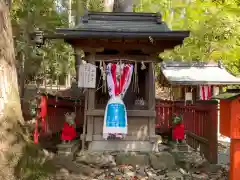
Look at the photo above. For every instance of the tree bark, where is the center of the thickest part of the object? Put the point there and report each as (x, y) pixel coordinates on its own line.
(108, 5)
(11, 140)
(123, 6)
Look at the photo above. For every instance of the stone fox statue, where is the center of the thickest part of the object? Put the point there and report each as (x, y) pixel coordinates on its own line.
(177, 128)
(69, 128)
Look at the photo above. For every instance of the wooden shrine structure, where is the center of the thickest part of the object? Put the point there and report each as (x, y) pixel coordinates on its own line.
(136, 38)
(230, 127)
(185, 77)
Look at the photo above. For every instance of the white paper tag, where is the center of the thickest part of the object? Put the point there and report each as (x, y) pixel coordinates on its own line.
(87, 76)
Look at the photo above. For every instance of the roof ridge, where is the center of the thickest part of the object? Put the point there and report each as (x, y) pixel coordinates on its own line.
(122, 16)
(189, 64)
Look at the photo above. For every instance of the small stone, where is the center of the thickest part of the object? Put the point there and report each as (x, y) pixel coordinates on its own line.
(200, 176)
(101, 177)
(202, 163)
(97, 159)
(62, 174)
(182, 171)
(143, 178)
(150, 174)
(129, 173)
(182, 147)
(162, 160)
(132, 159)
(141, 171)
(174, 175)
(162, 147)
(161, 177)
(214, 168)
(78, 176)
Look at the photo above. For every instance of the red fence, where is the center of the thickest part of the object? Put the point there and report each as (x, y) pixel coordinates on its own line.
(200, 121)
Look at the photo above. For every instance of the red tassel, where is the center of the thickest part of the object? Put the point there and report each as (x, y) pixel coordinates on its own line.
(43, 113)
(36, 134)
(44, 124)
(209, 92)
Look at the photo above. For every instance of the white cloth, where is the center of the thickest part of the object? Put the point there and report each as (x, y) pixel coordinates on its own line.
(205, 92)
(118, 125)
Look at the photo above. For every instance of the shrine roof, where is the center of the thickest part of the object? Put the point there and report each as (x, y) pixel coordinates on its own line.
(196, 73)
(119, 25)
(230, 94)
(227, 96)
(71, 94)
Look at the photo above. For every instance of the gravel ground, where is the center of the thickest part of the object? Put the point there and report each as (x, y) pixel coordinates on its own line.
(223, 151)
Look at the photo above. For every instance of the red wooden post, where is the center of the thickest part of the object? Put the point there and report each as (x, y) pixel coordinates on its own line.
(235, 159)
(230, 127)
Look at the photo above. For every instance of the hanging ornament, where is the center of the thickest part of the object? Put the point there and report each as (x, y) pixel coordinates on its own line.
(103, 75)
(143, 67)
(104, 78)
(115, 118)
(188, 96)
(118, 71)
(136, 88)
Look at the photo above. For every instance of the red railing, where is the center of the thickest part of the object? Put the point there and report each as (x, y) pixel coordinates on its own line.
(200, 122)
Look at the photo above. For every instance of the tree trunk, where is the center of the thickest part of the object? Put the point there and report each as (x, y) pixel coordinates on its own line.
(10, 108)
(81, 7)
(123, 6)
(108, 5)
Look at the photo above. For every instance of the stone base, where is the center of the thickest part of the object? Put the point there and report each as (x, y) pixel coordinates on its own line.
(131, 158)
(119, 145)
(68, 149)
(182, 147)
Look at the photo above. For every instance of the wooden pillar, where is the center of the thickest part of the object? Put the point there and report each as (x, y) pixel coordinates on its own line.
(91, 102)
(151, 98)
(77, 64)
(235, 159)
(213, 139)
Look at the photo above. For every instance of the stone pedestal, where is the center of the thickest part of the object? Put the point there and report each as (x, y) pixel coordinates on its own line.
(119, 145)
(182, 147)
(68, 149)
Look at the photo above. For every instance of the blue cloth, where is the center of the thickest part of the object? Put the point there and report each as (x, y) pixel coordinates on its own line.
(116, 115)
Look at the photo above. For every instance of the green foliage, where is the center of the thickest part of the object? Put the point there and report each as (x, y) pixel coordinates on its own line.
(214, 26)
(56, 57)
(33, 164)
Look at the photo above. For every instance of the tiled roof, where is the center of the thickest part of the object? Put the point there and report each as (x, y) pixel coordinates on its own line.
(122, 24)
(196, 73)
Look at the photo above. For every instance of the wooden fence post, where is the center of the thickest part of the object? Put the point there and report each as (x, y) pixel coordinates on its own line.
(213, 139)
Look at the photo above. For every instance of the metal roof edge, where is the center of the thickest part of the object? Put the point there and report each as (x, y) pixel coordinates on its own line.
(170, 35)
(123, 13)
(68, 30)
(226, 96)
(182, 64)
(188, 83)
